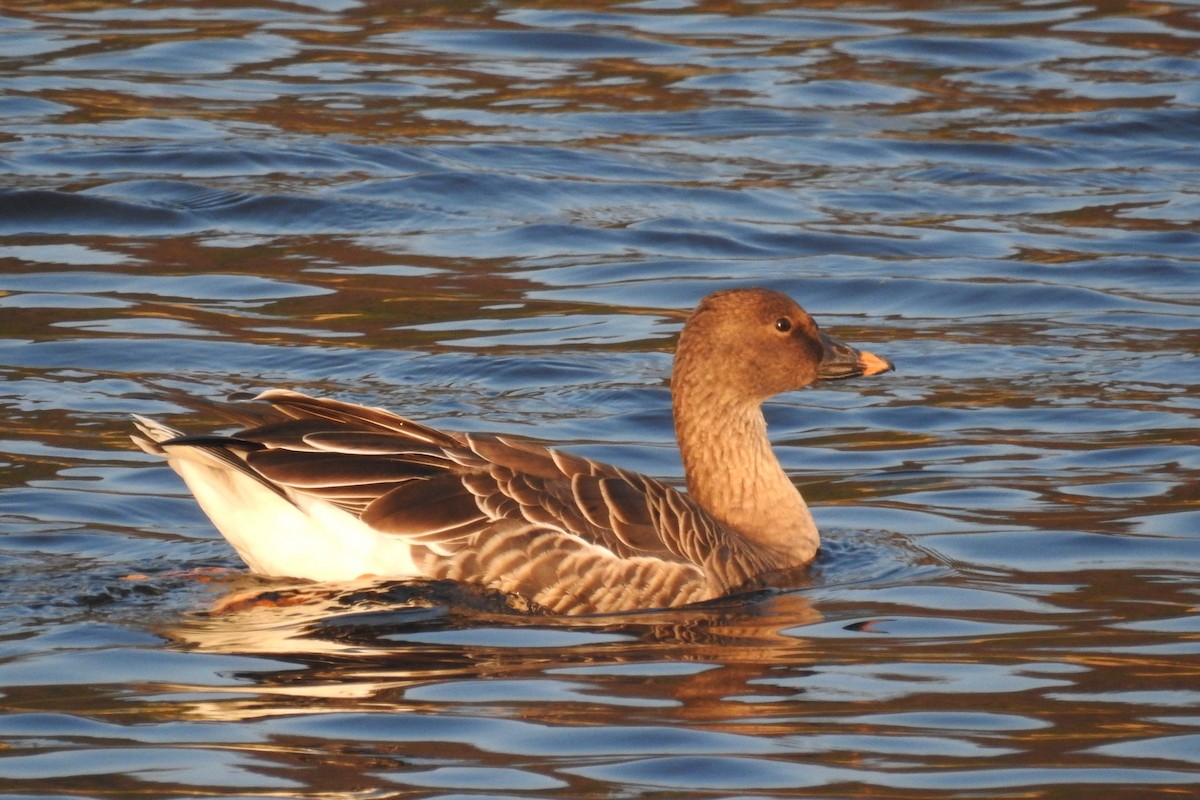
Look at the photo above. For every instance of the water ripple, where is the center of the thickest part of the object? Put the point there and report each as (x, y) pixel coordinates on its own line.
(496, 217)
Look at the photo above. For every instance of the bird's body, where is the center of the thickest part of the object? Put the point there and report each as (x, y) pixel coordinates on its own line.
(332, 491)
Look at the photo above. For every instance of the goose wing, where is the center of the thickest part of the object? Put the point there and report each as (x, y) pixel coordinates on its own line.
(454, 492)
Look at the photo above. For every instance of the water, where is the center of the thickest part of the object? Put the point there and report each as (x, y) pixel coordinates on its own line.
(493, 216)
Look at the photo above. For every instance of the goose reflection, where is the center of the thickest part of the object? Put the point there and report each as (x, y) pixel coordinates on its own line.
(418, 646)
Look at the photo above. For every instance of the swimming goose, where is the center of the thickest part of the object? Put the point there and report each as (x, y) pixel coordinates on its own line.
(331, 491)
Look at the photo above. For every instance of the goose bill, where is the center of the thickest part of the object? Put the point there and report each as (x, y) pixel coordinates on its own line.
(840, 360)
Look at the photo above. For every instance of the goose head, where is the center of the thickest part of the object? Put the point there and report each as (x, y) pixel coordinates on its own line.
(743, 346)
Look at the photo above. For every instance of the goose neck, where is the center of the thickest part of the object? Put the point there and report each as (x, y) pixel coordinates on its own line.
(732, 471)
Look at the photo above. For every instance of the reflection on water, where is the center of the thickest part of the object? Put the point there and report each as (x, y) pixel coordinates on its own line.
(495, 217)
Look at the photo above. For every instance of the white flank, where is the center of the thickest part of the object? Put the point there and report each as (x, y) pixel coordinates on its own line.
(300, 537)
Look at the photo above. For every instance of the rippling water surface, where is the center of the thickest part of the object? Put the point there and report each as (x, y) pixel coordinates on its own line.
(493, 216)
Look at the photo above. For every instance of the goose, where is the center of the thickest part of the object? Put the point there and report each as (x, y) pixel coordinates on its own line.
(324, 490)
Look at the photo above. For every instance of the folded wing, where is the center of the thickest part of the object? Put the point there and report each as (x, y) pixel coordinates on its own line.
(569, 533)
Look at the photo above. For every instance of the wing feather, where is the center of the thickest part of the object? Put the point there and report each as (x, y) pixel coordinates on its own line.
(299, 406)
(370, 443)
(437, 508)
(324, 470)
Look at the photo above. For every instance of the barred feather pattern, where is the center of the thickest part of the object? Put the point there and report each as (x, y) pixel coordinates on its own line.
(567, 533)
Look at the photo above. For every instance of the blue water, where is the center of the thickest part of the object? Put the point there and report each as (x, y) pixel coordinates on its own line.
(495, 217)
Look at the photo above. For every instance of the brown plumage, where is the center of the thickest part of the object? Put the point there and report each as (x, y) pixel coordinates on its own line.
(329, 490)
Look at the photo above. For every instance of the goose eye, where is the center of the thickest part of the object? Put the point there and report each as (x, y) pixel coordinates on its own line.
(783, 324)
